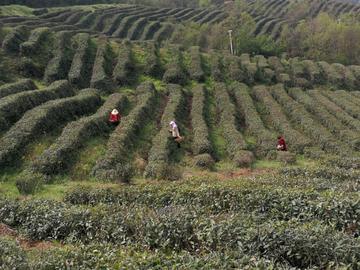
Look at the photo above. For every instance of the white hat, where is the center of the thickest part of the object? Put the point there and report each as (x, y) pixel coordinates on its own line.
(172, 122)
(114, 112)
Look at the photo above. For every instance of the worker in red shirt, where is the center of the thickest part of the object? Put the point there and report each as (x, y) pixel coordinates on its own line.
(115, 117)
(282, 145)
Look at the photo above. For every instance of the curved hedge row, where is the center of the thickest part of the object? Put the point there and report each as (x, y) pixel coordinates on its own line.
(77, 74)
(335, 110)
(235, 141)
(349, 78)
(113, 23)
(175, 74)
(326, 118)
(317, 132)
(162, 33)
(13, 40)
(125, 70)
(195, 71)
(59, 155)
(44, 118)
(114, 165)
(58, 67)
(149, 30)
(73, 19)
(343, 103)
(216, 73)
(202, 143)
(37, 36)
(163, 143)
(295, 140)
(17, 87)
(332, 76)
(135, 30)
(87, 20)
(265, 139)
(209, 17)
(125, 25)
(100, 78)
(250, 68)
(14, 106)
(232, 62)
(153, 65)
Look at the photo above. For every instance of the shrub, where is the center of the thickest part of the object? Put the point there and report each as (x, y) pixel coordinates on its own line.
(297, 69)
(314, 153)
(13, 40)
(202, 142)
(261, 62)
(335, 110)
(316, 77)
(332, 76)
(326, 118)
(35, 40)
(14, 106)
(163, 144)
(53, 14)
(42, 119)
(216, 73)
(235, 141)
(149, 30)
(29, 184)
(125, 25)
(195, 71)
(78, 70)
(317, 132)
(101, 69)
(153, 65)
(125, 70)
(339, 98)
(276, 64)
(296, 140)
(112, 24)
(285, 80)
(87, 20)
(204, 161)
(28, 68)
(61, 153)
(114, 166)
(243, 159)
(74, 18)
(17, 87)
(58, 67)
(39, 11)
(161, 34)
(209, 17)
(250, 68)
(135, 30)
(286, 157)
(265, 138)
(232, 62)
(349, 78)
(356, 71)
(175, 74)
(302, 83)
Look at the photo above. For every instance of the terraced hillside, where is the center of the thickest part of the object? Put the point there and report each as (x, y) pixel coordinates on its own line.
(61, 87)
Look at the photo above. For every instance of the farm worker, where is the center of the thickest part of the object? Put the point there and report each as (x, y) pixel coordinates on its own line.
(282, 145)
(115, 117)
(175, 132)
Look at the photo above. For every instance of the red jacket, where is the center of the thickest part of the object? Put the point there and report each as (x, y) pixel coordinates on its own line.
(282, 142)
(115, 117)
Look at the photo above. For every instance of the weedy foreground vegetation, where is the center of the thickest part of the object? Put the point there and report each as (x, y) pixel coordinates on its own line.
(79, 193)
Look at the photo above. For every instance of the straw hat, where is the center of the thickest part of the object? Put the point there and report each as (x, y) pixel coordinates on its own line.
(172, 122)
(114, 112)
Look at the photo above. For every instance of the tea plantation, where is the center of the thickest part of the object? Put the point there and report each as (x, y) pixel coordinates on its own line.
(77, 192)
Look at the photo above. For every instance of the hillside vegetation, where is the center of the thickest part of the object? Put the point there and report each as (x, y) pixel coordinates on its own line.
(99, 196)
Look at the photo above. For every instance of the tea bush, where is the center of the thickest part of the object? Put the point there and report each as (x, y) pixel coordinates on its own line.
(235, 141)
(163, 143)
(331, 74)
(326, 118)
(286, 157)
(232, 63)
(87, 20)
(14, 106)
(296, 140)
(74, 18)
(124, 26)
(31, 46)
(317, 132)
(349, 78)
(316, 77)
(276, 65)
(153, 65)
(303, 83)
(201, 144)
(216, 73)
(125, 69)
(356, 71)
(60, 154)
(78, 70)
(58, 67)
(195, 70)
(149, 30)
(243, 159)
(135, 29)
(285, 80)
(101, 69)
(42, 119)
(113, 23)
(30, 183)
(261, 62)
(162, 32)
(204, 161)
(340, 100)
(175, 74)
(53, 14)
(265, 139)
(297, 69)
(16, 36)
(17, 87)
(114, 166)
